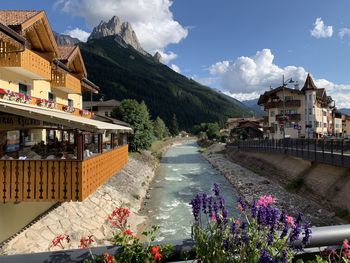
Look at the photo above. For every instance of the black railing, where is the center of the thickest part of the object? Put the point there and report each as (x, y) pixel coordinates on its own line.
(328, 151)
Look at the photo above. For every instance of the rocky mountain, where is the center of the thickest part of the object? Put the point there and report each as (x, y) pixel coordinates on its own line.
(345, 111)
(123, 32)
(157, 57)
(253, 105)
(62, 39)
(123, 73)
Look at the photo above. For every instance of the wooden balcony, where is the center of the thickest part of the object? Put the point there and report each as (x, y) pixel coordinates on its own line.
(27, 63)
(279, 104)
(58, 180)
(65, 82)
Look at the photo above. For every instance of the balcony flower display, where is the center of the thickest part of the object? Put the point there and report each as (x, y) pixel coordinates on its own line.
(84, 112)
(15, 96)
(262, 233)
(67, 108)
(47, 103)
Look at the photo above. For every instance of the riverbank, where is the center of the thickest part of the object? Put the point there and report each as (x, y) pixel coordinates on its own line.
(250, 186)
(89, 217)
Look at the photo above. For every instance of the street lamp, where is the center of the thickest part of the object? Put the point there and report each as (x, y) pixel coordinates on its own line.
(284, 84)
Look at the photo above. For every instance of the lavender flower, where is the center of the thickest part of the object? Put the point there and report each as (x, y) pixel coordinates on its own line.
(210, 206)
(233, 228)
(295, 233)
(216, 189)
(307, 232)
(226, 244)
(205, 203)
(265, 256)
(245, 238)
(224, 215)
(284, 258)
(270, 238)
(242, 204)
(221, 202)
(196, 207)
(254, 210)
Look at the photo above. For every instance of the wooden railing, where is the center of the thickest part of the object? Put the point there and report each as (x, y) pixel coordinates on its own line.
(279, 104)
(58, 180)
(27, 60)
(66, 82)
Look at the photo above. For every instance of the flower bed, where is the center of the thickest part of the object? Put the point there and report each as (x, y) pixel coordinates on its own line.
(15, 96)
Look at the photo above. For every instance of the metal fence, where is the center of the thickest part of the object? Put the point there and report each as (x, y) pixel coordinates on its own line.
(328, 151)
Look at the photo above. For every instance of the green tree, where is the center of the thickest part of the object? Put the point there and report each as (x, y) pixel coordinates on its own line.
(137, 115)
(213, 131)
(174, 126)
(159, 128)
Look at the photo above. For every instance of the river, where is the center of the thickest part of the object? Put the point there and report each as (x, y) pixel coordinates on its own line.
(181, 175)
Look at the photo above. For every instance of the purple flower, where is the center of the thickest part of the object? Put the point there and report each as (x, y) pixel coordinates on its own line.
(242, 204)
(270, 238)
(226, 244)
(210, 206)
(307, 234)
(254, 210)
(265, 256)
(245, 238)
(221, 202)
(224, 215)
(205, 203)
(196, 207)
(216, 189)
(233, 228)
(284, 231)
(284, 257)
(295, 233)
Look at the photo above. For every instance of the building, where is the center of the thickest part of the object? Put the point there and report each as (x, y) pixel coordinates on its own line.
(247, 129)
(51, 149)
(294, 113)
(101, 107)
(346, 126)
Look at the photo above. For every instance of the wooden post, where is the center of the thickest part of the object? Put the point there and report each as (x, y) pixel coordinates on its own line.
(79, 138)
(112, 140)
(100, 143)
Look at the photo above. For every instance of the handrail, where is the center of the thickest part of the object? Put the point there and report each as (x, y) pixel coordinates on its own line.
(321, 236)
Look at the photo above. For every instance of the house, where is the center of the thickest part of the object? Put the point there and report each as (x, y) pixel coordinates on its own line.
(247, 129)
(101, 107)
(294, 113)
(346, 126)
(51, 149)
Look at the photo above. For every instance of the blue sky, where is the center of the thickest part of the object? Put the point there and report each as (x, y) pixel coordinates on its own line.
(241, 47)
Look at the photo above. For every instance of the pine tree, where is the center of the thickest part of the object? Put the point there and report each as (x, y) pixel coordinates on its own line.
(174, 126)
(159, 128)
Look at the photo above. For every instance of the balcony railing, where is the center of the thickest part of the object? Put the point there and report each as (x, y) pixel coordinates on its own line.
(58, 180)
(289, 117)
(279, 104)
(65, 82)
(29, 61)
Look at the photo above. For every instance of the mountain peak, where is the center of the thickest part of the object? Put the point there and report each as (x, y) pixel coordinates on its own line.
(157, 57)
(123, 31)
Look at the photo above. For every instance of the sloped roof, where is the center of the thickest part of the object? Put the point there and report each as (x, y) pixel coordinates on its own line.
(16, 17)
(107, 103)
(64, 52)
(309, 83)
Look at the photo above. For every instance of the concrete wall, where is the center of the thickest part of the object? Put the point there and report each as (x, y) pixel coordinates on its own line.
(327, 184)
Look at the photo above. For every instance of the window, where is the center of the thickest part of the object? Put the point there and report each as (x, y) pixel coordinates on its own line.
(272, 113)
(324, 125)
(94, 108)
(23, 89)
(309, 96)
(106, 113)
(310, 111)
(51, 96)
(288, 98)
(70, 103)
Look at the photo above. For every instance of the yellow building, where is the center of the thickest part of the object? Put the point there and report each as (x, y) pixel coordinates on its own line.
(50, 148)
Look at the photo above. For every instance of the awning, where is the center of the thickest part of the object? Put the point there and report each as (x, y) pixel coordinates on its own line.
(59, 117)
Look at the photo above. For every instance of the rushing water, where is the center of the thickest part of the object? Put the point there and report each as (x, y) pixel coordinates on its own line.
(181, 175)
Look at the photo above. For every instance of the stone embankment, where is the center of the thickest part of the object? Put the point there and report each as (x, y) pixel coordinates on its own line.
(89, 217)
(250, 185)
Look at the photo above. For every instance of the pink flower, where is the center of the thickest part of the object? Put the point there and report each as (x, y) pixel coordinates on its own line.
(213, 218)
(346, 248)
(266, 200)
(290, 221)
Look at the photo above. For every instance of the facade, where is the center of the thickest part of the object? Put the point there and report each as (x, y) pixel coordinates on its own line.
(51, 149)
(346, 126)
(294, 113)
(102, 108)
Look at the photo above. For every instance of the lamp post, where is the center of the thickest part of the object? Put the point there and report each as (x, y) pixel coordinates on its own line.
(284, 84)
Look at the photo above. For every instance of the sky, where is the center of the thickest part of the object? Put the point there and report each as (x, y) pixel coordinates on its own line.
(241, 47)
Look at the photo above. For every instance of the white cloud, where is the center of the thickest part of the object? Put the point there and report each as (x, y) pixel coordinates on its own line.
(219, 67)
(167, 56)
(248, 77)
(152, 20)
(320, 30)
(175, 68)
(78, 33)
(345, 31)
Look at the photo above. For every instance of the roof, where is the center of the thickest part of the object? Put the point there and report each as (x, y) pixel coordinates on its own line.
(16, 17)
(107, 103)
(87, 84)
(13, 34)
(64, 52)
(110, 120)
(59, 117)
(268, 94)
(309, 83)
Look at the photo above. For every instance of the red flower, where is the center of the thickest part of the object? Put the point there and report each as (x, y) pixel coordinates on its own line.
(118, 217)
(57, 241)
(158, 257)
(155, 250)
(85, 242)
(107, 258)
(128, 232)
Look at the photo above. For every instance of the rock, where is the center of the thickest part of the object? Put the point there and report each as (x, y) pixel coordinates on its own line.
(123, 32)
(157, 57)
(64, 40)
